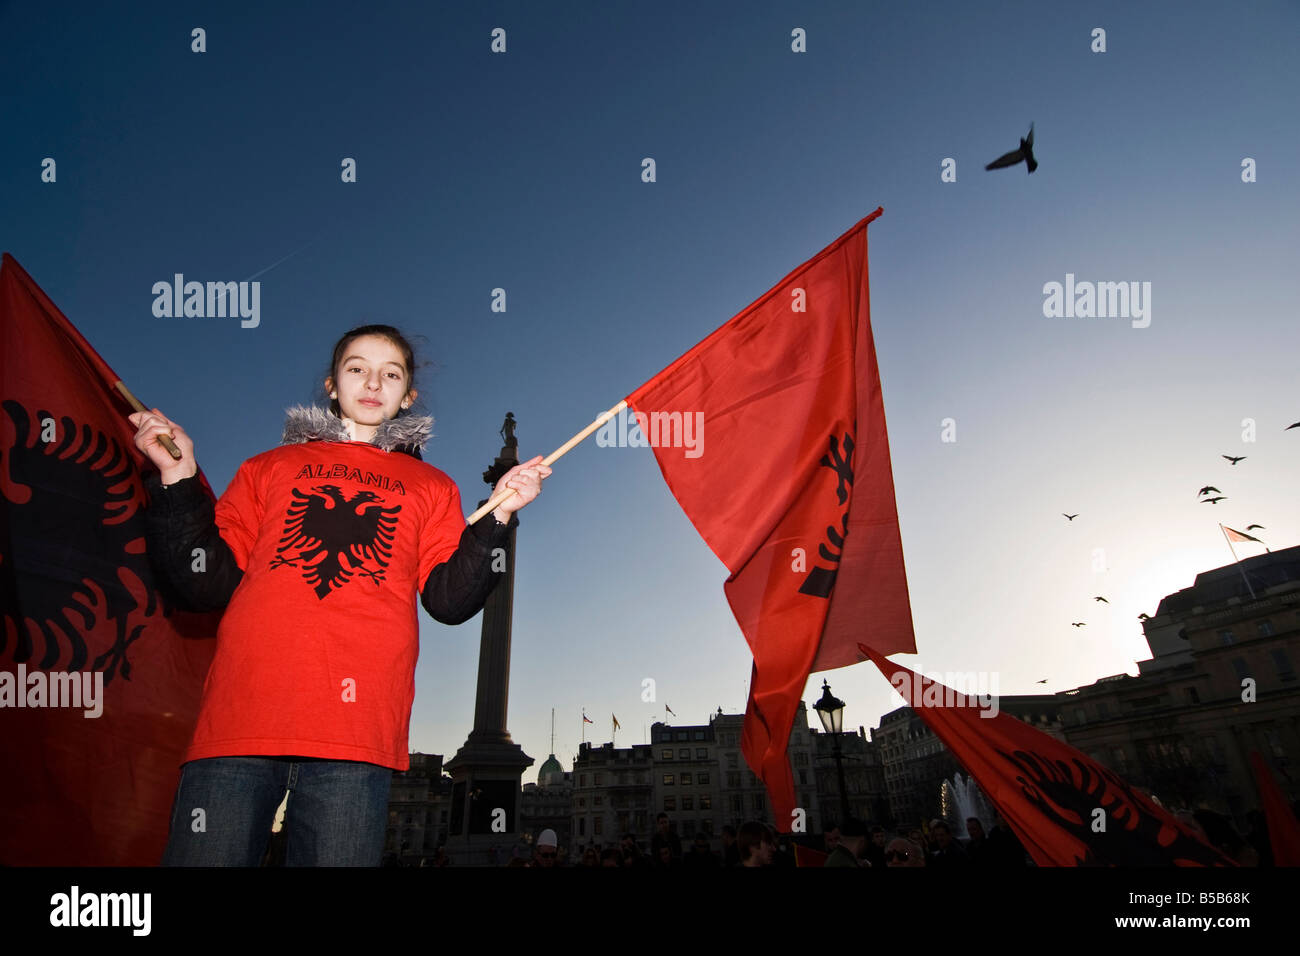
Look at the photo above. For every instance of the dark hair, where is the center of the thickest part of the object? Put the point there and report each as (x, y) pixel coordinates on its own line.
(853, 828)
(383, 331)
(752, 835)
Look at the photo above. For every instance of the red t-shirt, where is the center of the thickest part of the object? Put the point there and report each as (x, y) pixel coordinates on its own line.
(316, 652)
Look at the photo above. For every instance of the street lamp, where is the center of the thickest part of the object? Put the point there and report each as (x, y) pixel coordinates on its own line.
(831, 711)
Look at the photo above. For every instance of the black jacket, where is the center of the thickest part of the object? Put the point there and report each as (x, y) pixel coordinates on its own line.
(181, 517)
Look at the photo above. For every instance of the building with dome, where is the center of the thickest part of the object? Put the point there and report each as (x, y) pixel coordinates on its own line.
(546, 804)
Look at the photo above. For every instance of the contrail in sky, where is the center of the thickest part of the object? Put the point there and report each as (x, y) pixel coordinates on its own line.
(277, 262)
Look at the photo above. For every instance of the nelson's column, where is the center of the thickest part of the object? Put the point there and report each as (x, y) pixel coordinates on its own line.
(487, 769)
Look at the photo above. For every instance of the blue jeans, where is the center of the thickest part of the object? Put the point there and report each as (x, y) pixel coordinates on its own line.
(337, 812)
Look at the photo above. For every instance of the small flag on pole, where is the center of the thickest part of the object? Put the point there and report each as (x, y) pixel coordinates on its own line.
(1239, 535)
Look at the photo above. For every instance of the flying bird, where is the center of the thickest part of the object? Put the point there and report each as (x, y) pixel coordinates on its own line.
(1078, 624)
(1071, 517)
(1043, 681)
(1289, 427)
(1208, 488)
(1213, 501)
(1259, 526)
(1025, 153)
(1101, 599)
(1144, 617)
(1234, 460)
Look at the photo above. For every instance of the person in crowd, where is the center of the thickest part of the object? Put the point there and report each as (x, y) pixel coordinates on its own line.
(903, 852)
(947, 851)
(665, 835)
(852, 845)
(874, 854)
(547, 851)
(730, 847)
(701, 857)
(755, 845)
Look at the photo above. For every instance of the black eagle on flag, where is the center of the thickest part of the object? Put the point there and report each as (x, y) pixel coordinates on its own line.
(324, 527)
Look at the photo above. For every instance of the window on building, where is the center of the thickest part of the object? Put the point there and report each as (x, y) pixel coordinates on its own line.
(582, 826)
(683, 735)
(582, 779)
(1192, 696)
(599, 801)
(1282, 662)
(596, 778)
(582, 801)
(684, 753)
(597, 826)
(701, 753)
(666, 754)
(733, 781)
(688, 828)
(1264, 628)
(706, 801)
(702, 779)
(803, 776)
(732, 761)
(686, 780)
(758, 801)
(1226, 638)
(1239, 665)
(688, 803)
(737, 804)
(668, 780)
(1080, 716)
(670, 803)
(707, 826)
(699, 735)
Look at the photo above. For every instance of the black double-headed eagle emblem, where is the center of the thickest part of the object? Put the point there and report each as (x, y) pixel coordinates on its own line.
(332, 537)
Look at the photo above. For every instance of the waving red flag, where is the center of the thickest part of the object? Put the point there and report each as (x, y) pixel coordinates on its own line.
(771, 435)
(99, 683)
(1283, 828)
(1067, 809)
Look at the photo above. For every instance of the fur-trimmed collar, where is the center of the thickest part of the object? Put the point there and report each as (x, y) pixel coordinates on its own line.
(405, 433)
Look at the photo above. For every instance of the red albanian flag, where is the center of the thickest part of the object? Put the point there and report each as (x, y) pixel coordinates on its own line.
(1283, 830)
(1049, 793)
(99, 686)
(771, 436)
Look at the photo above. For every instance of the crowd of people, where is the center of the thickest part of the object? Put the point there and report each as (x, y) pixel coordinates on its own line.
(757, 844)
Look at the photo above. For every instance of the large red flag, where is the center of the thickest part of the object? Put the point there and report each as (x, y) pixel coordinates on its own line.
(99, 676)
(1067, 809)
(1283, 828)
(771, 435)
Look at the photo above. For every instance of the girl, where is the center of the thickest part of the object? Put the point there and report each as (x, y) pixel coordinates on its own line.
(316, 551)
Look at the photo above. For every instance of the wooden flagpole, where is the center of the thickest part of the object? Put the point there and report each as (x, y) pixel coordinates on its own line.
(139, 407)
(600, 420)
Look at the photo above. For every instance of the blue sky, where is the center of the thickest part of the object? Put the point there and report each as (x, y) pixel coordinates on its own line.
(522, 170)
